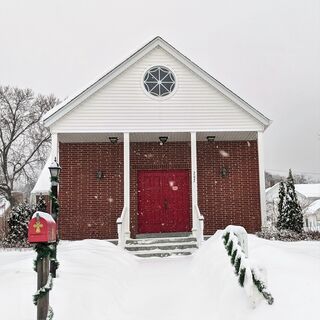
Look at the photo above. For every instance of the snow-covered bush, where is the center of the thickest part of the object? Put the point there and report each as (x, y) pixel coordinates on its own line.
(17, 234)
(288, 235)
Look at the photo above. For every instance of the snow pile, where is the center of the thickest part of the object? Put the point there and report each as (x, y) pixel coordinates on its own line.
(4, 205)
(97, 280)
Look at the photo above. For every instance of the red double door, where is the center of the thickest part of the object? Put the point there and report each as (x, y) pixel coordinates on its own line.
(163, 201)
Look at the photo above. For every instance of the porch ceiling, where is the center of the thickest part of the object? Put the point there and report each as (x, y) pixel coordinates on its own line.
(154, 136)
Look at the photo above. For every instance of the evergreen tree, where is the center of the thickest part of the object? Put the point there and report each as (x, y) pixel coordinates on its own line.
(290, 213)
(292, 207)
(18, 225)
(41, 205)
(281, 215)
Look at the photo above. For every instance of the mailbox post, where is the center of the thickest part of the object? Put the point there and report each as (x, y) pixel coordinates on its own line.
(42, 232)
(54, 173)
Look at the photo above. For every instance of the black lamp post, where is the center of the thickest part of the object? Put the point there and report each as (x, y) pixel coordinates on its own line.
(54, 173)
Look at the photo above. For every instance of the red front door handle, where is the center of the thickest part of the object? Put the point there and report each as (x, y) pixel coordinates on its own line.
(165, 204)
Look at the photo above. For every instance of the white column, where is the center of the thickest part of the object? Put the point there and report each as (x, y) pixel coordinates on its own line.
(54, 147)
(194, 181)
(126, 180)
(262, 181)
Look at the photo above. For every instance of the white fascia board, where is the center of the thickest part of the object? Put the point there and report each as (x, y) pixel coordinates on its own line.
(106, 130)
(66, 106)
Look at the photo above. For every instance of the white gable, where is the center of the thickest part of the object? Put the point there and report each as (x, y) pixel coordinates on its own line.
(123, 105)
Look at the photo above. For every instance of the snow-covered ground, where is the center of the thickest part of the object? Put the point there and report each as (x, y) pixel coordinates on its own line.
(99, 281)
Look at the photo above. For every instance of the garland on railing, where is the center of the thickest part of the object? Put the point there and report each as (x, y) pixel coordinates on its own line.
(43, 251)
(242, 267)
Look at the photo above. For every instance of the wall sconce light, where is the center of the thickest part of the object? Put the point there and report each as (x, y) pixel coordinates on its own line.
(99, 175)
(224, 172)
(113, 140)
(163, 140)
(211, 138)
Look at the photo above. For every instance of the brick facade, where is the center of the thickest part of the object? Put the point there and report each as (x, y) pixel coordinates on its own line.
(90, 206)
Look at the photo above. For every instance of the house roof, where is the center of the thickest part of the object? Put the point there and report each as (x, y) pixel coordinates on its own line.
(67, 105)
(311, 190)
(272, 193)
(313, 208)
(43, 184)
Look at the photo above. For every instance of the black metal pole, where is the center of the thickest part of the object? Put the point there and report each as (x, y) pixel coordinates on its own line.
(54, 213)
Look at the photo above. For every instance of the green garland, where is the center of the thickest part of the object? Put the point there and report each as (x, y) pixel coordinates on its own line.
(262, 289)
(241, 272)
(55, 203)
(43, 251)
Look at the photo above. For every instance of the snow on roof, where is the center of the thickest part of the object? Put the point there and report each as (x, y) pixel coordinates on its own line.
(43, 184)
(311, 190)
(312, 208)
(4, 205)
(272, 193)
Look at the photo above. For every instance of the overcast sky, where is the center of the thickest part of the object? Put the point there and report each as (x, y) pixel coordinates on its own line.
(266, 51)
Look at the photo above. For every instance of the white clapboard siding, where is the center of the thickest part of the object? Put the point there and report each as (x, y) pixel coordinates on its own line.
(123, 105)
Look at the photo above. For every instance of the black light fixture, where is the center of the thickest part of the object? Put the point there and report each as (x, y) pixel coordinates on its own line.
(163, 140)
(211, 138)
(99, 174)
(113, 140)
(224, 171)
(54, 172)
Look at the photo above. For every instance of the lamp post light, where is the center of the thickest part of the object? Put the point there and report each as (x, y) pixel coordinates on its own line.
(54, 178)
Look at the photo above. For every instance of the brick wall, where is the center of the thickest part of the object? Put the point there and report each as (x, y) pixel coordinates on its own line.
(90, 207)
(234, 199)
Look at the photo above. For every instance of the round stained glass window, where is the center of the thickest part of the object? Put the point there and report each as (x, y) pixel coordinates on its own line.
(159, 81)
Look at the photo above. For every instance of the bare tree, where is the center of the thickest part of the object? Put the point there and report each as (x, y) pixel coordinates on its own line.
(24, 142)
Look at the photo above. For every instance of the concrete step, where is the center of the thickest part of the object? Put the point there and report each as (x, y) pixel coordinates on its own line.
(162, 254)
(146, 241)
(162, 246)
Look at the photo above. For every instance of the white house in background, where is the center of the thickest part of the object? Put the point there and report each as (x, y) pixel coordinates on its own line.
(42, 187)
(312, 216)
(306, 193)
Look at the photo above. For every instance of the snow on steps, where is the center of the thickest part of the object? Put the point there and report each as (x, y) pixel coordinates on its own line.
(162, 247)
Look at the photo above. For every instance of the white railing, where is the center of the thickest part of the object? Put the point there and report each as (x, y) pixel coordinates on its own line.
(122, 227)
(251, 277)
(199, 226)
(242, 235)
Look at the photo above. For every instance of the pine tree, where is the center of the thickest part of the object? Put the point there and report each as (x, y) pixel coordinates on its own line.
(281, 215)
(290, 213)
(18, 225)
(41, 204)
(292, 207)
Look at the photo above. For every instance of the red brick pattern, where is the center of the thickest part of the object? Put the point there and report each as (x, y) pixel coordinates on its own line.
(90, 206)
(234, 199)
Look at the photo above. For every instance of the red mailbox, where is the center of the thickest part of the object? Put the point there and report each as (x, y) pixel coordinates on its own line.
(42, 228)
